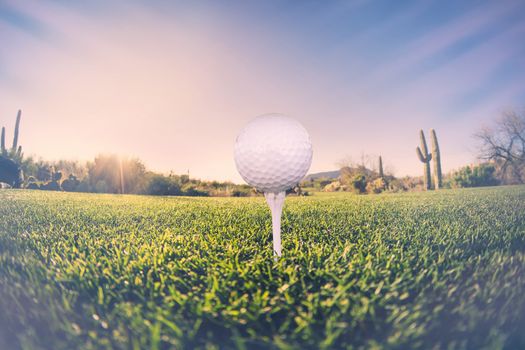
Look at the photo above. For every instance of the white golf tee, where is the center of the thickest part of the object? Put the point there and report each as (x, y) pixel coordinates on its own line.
(275, 202)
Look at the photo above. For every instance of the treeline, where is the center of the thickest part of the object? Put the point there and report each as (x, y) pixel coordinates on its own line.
(114, 174)
(363, 180)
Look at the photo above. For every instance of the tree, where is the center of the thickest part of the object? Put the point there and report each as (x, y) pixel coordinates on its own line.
(112, 174)
(504, 144)
(72, 167)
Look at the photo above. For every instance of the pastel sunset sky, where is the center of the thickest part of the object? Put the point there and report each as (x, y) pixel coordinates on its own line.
(172, 82)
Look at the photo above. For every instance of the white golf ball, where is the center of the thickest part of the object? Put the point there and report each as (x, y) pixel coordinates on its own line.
(273, 153)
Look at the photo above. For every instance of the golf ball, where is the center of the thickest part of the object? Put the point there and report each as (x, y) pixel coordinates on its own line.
(273, 153)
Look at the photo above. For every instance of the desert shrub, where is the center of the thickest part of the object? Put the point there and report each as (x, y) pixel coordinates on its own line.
(241, 192)
(32, 186)
(474, 176)
(70, 184)
(334, 186)
(51, 186)
(396, 185)
(161, 185)
(376, 186)
(325, 182)
(194, 192)
(84, 186)
(358, 183)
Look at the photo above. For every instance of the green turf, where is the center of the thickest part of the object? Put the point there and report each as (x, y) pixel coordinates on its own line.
(429, 270)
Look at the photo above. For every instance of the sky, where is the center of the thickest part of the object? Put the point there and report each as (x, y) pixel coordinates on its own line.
(173, 82)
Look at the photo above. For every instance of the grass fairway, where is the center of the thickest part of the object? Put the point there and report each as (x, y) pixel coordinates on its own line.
(428, 270)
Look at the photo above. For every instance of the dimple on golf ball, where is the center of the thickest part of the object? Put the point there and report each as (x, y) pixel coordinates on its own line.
(273, 153)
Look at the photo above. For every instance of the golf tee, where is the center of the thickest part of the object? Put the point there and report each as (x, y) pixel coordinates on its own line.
(275, 202)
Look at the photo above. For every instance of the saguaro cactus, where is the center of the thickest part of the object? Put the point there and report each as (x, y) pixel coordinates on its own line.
(381, 174)
(425, 158)
(436, 156)
(2, 143)
(15, 152)
(17, 129)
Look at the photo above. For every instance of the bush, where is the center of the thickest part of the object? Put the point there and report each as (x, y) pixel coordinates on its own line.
(396, 185)
(194, 192)
(70, 184)
(358, 183)
(32, 186)
(474, 176)
(376, 186)
(51, 186)
(160, 185)
(334, 186)
(241, 192)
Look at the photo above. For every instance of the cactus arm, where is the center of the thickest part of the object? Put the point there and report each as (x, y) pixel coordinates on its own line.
(17, 128)
(423, 159)
(420, 155)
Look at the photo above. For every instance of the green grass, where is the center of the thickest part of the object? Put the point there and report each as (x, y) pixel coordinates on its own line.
(431, 270)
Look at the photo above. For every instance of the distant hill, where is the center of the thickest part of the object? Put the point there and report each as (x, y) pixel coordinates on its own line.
(334, 174)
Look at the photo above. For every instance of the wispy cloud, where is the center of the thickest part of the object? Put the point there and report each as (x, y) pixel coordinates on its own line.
(429, 45)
